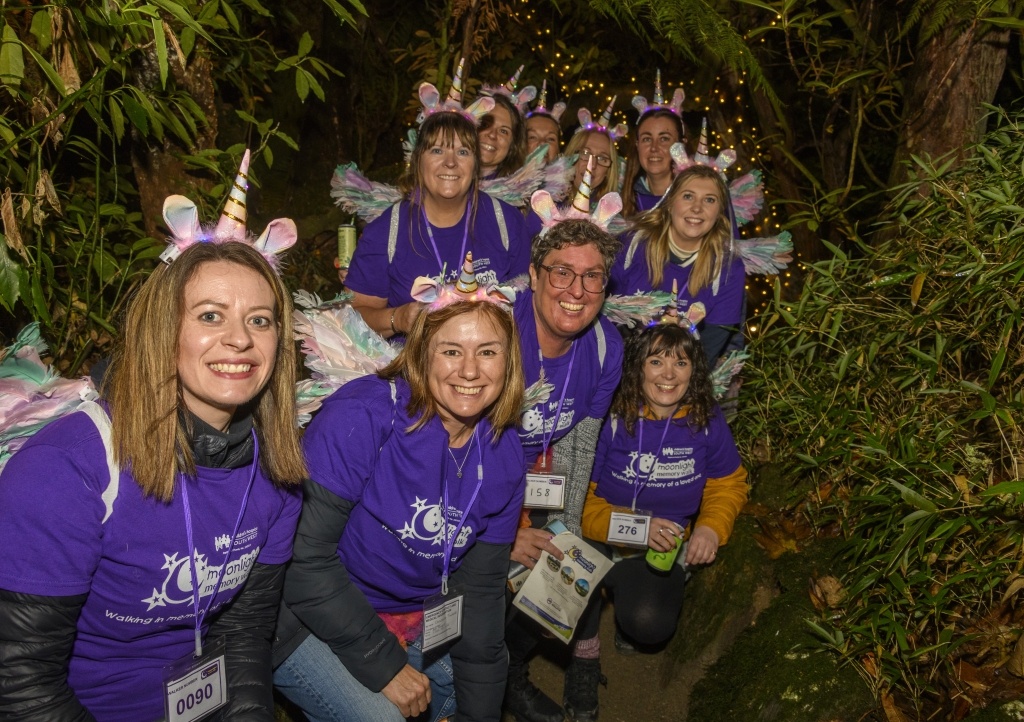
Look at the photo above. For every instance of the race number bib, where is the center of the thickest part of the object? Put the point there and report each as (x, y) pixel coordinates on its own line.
(629, 528)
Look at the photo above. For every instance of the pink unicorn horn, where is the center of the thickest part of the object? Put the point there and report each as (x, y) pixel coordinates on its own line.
(671, 314)
(232, 218)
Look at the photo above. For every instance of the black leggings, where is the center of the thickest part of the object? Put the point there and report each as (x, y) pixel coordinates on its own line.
(647, 602)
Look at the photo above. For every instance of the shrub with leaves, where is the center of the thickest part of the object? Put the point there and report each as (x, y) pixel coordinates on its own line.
(894, 385)
(104, 108)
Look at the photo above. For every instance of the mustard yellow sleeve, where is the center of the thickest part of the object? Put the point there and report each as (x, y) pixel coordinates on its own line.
(597, 515)
(723, 499)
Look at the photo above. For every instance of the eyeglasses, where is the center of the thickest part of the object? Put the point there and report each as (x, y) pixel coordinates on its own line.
(602, 160)
(562, 277)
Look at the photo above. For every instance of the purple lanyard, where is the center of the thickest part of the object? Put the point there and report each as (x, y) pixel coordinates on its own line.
(639, 485)
(449, 544)
(430, 235)
(231, 544)
(546, 439)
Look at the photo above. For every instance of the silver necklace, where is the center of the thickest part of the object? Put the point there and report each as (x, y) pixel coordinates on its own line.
(458, 466)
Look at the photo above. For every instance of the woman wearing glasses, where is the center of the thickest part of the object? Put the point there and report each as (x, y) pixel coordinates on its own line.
(598, 144)
(580, 355)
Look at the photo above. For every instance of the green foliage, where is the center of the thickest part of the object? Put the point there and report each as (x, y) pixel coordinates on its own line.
(91, 92)
(894, 384)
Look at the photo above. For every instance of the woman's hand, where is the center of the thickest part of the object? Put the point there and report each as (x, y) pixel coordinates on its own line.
(703, 546)
(529, 545)
(664, 534)
(409, 690)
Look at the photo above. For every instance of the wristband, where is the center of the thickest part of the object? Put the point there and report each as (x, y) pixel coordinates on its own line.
(394, 331)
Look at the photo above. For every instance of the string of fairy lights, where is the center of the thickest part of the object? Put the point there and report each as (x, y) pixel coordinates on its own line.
(558, 65)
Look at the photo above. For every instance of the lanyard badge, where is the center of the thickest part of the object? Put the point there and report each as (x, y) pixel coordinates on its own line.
(442, 613)
(196, 685)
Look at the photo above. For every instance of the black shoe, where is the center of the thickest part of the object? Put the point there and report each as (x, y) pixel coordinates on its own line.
(581, 680)
(527, 703)
(623, 646)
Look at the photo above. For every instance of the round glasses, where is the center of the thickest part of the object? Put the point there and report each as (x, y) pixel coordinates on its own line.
(562, 277)
(601, 160)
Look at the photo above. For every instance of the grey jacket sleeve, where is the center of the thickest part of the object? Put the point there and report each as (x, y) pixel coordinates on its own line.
(37, 634)
(479, 657)
(319, 592)
(575, 452)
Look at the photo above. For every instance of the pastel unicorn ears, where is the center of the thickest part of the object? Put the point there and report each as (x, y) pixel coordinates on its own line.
(541, 107)
(547, 210)
(603, 123)
(430, 98)
(681, 160)
(675, 105)
(437, 294)
(182, 218)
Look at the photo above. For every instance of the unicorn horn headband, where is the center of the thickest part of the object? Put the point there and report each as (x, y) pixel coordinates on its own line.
(603, 123)
(437, 294)
(681, 161)
(550, 215)
(182, 218)
(674, 106)
(541, 108)
(430, 97)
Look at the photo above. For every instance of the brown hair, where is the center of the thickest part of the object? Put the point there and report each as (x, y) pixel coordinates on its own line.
(517, 143)
(664, 340)
(575, 232)
(654, 226)
(414, 360)
(611, 178)
(145, 394)
(633, 167)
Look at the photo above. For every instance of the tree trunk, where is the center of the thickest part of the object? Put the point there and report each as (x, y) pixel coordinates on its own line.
(955, 72)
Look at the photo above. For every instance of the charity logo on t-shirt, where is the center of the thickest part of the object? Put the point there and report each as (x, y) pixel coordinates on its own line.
(427, 525)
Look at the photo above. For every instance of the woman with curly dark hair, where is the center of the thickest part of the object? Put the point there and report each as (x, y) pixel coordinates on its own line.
(666, 474)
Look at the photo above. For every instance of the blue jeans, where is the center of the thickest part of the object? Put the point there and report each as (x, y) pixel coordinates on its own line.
(315, 679)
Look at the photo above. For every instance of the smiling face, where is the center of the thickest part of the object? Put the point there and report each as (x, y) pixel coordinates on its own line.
(495, 139)
(467, 369)
(227, 343)
(695, 210)
(655, 137)
(542, 130)
(598, 145)
(563, 313)
(447, 169)
(666, 378)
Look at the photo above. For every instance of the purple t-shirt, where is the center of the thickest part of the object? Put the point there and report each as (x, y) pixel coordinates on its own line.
(357, 447)
(138, 616)
(372, 274)
(596, 369)
(671, 480)
(724, 307)
(645, 201)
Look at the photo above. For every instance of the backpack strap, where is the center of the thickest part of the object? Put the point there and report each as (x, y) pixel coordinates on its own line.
(627, 261)
(602, 343)
(499, 215)
(393, 232)
(99, 417)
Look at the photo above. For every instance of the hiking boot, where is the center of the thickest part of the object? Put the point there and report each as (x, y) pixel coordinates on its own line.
(527, 703)
(623, 646)
(581, 680)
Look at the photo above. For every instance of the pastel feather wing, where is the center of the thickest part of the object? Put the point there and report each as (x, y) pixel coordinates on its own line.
(765, 255)
(355, 193)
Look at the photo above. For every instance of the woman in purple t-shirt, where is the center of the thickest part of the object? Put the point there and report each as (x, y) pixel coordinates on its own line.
(130, 541)
(416, 481)
(686, 241)
(665, 449)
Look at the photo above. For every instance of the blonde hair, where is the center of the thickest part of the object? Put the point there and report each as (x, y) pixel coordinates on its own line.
(414, 361)
(654, 226)
(145, 395)
(611, 178)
